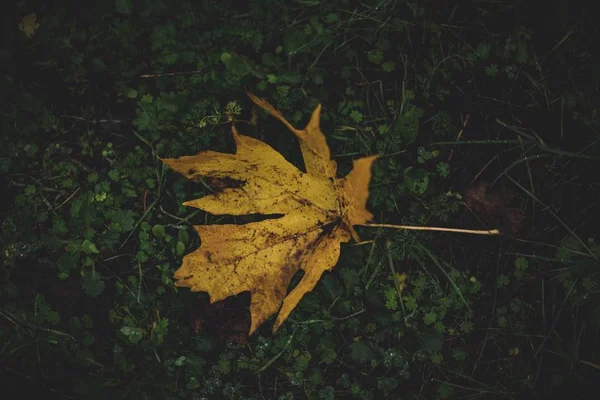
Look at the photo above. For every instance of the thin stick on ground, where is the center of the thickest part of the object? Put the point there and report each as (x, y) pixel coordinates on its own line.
(434, 228)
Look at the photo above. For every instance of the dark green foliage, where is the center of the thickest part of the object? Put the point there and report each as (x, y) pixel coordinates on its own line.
(449, 94)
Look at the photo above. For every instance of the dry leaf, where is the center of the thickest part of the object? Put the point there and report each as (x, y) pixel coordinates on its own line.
(490, 205)
(317, 212)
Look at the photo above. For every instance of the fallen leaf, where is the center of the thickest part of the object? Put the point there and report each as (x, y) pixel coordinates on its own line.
(315, 212)
(489, 205)
(486, 203)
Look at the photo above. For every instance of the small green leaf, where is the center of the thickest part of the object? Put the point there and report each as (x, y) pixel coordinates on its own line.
(437, 358)
(491, 70)
(521, 263)
(114, 175)
(236, 64)
(351, 279)
(466, 326)
(375, 56)
(74, 324)
(133, 334)
(316, 378)
(158, 231)
(407, 125)
(89, 248)
(483, 51)
(291, 77)
(361, 352)
(356, 116)
(88, 339)
(183, 237)
(179, 248)
(72, 247)
(224, 366)
(429, 318)
(131, 93)
(124, 6)
(178, 362)
(332, 18)
(443, 168)
(225, 57)
(99, 64)
(272, 78)
(93, 284)
(302, 361)
(294, 40)
(416, 180)
(388, 66)
(459, 354)
(502, 281)
(328, 356)
(331, 287)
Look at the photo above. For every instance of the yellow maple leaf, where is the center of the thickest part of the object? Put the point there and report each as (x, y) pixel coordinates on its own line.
(29, 25)
(317, 212)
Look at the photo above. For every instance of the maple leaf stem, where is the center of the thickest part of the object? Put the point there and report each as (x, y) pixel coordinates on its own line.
(433, 228)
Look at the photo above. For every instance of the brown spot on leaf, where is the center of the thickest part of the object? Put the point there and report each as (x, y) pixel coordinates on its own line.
(220, 184)
(304, 202)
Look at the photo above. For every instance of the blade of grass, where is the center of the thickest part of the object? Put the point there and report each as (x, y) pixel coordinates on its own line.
(437, 264)
(547, 208)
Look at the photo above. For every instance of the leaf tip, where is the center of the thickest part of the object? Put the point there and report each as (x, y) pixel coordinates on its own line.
(315, 119)
(276, 326)
(167, 161)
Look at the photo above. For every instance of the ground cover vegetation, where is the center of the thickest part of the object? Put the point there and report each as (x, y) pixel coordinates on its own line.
(483, 114)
